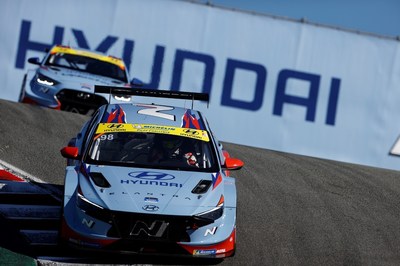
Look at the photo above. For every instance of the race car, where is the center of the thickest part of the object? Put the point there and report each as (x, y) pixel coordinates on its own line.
(66, 76)
(149, 178)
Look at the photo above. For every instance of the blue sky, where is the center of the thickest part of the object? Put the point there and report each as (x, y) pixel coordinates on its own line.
(380, 17)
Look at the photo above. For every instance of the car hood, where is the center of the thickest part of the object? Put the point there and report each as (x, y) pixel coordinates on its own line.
(152, 191)
(77, 80)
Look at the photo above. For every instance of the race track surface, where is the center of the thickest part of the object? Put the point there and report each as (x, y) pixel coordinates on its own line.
(292, 210)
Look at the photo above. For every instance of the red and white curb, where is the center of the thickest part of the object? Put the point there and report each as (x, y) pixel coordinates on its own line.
(7, 176)
(20, 174)
(10, 173)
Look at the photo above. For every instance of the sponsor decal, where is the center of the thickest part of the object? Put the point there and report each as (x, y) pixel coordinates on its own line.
(84, 243)
(211, 231)
(105, 58)
(151, 199)
(204, 252)
(152, 179)
(150, 208)
(233, 66)
(44, 89)
(151, 176)
(152, 183)
(110, 126)
(88, 223)
(156, 228)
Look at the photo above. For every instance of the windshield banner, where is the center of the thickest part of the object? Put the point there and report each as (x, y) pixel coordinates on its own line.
(156, 129)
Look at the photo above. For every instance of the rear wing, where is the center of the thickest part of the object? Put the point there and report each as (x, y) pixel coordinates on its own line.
(153, 93)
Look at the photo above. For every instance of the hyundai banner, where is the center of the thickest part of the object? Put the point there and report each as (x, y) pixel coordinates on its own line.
(274, 83)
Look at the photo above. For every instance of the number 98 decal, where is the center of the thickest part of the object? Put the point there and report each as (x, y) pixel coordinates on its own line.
(107, 137)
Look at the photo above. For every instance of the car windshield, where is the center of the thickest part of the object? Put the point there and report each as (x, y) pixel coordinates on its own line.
(152, 150)
(87, 64)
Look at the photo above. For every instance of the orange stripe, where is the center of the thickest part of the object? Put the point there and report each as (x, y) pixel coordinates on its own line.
(99, 135)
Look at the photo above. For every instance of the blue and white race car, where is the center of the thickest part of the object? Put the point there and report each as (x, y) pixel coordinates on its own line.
(66, 77)
(147, 178)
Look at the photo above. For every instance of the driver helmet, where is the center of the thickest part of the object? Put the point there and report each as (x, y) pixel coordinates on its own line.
(171, 143)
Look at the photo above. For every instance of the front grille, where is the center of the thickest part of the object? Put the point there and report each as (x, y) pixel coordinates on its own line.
(132, 226)
(78, 101)
(164, 228)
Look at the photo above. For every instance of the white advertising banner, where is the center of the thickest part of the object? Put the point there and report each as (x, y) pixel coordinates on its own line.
(274, 83)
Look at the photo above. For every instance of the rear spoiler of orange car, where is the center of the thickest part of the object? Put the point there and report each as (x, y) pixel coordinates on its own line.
(153, 93)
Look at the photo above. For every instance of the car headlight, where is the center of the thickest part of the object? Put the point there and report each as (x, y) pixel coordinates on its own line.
(86, 205)
(123, 98)
(92, 209)
(44, 80)
(212, 214)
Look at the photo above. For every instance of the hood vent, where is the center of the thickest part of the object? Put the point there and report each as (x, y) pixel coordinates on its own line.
(202, 187)
(99, 180)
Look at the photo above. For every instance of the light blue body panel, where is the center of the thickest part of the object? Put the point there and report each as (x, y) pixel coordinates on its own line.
(166, 194)
(76, 81)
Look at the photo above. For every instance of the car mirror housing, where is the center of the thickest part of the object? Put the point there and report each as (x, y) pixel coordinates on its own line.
(135, 82)
(34, 60)
(70, 153)
(233, 164)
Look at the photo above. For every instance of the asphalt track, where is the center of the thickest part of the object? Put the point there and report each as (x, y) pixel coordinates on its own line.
(292, 210)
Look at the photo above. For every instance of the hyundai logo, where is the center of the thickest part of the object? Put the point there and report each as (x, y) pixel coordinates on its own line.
(83, 95)
(150, 208)
(151, 176)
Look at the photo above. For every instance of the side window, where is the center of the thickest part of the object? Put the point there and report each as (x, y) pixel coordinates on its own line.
(89, 129)
(216, 142)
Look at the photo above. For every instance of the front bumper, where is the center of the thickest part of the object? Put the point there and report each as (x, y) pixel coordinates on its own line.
(223, 249)
(36, 94)
(57, 97)
(139, 233)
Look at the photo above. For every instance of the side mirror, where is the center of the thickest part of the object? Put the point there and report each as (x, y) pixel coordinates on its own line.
(233, 164)
(72, 142)
(70, 153)
(34, 60)
(136, 82)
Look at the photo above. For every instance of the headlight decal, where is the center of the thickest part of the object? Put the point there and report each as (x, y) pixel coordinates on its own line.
(92, 209)
(122, 98)
(86, 204)
(214, 213)
(44, 80)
